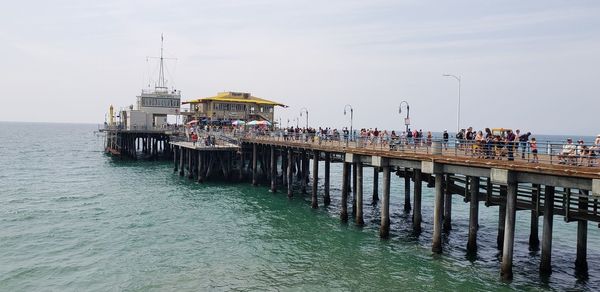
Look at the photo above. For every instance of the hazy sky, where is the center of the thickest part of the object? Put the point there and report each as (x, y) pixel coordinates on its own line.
(527, 64)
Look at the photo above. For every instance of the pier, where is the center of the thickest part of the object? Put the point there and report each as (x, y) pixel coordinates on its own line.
(284, 165)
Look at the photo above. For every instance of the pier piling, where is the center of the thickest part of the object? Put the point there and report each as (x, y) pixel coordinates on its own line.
(534, 240)
(254, 166)
(290, 174)
(273, 169)
(501, 218)
(345, 184)
(417, 217)
(447, 203)
(473, 215)
(581, 265)
(384, 231)
(181, 157)
(509, 230)
(375, 184)
(326, 196)
(315, 180)
(437, 214)
(546, 258)
(359, 194)
(407, 206)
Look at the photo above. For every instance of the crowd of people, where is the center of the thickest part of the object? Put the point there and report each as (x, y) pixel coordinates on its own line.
(486, 144)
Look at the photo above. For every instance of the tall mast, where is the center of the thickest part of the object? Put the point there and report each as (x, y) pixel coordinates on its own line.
(161, 72)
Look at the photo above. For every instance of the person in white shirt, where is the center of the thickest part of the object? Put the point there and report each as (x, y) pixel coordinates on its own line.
(568, 151)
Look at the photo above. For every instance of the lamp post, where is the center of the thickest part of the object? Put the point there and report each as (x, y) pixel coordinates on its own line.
(296, 118)
(306, 111)
(458, 110)
(407, 120)
(351, 118)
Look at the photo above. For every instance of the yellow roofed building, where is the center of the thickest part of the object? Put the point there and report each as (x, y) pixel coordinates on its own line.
(229, 106)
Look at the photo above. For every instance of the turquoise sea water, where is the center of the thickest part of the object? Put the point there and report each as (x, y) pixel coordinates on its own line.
(73, 219)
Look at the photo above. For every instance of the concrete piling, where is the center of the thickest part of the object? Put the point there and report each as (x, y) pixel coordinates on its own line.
(581, 265)
(473, 215)
(254, 165)
(354, 171)
(290, 174)
(534, 240)
(501, 218)
(417, 217)
(384, 230)
(509, 231)
(273, 169)
(359, 195)
(546, 258)
(447, 203)
(407, 206)
(315, 180)
(326, 196)
(181, 157)
(345, 184)
(375, 184)
(437, 214)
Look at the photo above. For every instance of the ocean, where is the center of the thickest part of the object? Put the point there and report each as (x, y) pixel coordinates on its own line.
(74, 219)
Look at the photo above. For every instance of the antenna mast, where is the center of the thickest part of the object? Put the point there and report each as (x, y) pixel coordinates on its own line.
(161, 73)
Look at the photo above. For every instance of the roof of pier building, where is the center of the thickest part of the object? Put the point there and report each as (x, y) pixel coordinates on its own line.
(236, 97)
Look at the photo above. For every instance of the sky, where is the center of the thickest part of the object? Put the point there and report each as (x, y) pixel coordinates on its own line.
(531, 65)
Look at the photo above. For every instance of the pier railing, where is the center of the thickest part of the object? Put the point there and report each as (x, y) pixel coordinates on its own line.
(548, 152)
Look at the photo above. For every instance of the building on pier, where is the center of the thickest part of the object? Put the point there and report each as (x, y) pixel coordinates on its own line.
(230, 106)
(143, 127)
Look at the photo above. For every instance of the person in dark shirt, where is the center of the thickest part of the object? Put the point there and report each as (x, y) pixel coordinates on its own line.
(523, 139)
(510, 144)
(445, 139)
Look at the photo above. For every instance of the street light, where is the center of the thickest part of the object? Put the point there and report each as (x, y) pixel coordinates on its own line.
(351, 117)
(305, 110)
(458, 111)
(407, 120)
(296, 118)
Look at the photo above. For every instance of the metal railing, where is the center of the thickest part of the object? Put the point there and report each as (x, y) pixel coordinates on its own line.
(548, 152)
